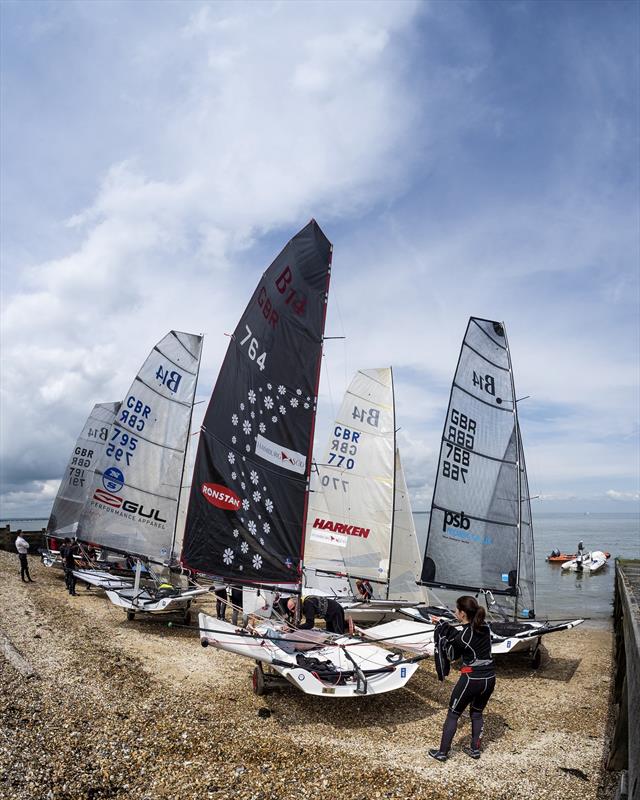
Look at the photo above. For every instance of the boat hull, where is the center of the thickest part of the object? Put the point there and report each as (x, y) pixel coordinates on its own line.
(265, 650)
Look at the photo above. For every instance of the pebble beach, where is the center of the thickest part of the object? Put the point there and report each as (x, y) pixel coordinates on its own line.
(93, 706)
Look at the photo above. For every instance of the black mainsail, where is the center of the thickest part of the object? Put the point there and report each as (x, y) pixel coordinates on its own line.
(480, 535)
(247, 507)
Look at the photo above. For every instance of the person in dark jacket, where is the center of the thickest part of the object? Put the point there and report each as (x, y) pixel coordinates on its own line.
(68, 551)
(324, 607)
(472, 644)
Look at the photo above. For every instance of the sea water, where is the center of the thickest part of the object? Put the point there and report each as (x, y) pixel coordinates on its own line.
(568, 595)
(559, 594)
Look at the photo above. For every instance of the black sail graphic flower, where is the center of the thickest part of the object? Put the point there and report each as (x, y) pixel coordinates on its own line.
(245, 520)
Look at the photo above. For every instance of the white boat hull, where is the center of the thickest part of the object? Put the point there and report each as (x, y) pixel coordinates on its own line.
(142, 602)
(102, 580)
(265, 650)
(591, 562)
(417, 637)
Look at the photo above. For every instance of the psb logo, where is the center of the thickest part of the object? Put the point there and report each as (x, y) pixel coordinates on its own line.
(113, 479)
(455, 520)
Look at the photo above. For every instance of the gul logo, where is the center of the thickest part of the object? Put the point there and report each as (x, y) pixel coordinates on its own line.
(127, 506)
(340, 527)
(113, 479)
(221, 497)
(282, 456)
(455, 520)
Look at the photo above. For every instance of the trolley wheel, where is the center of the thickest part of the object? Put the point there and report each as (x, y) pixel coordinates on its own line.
(131, 615)
(536, 658)
(258, 680)
(187, 617)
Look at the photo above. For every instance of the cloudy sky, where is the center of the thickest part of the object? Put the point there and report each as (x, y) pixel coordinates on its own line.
(464, 158)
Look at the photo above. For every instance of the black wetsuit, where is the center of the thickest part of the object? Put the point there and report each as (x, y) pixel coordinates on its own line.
(477, 679)
(326, 608)
(67, 553)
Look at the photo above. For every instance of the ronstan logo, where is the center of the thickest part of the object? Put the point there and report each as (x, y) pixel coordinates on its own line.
(340, 527)
(221, 497)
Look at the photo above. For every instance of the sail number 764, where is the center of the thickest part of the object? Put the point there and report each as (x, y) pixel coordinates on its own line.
(253, 348)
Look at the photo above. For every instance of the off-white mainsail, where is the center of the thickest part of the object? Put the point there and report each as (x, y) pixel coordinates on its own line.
(405, 557)
(136, 488)
(78, 476)
(351, 505)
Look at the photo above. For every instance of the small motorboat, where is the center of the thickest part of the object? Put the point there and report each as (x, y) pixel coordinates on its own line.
(556, 557)
(587, 562)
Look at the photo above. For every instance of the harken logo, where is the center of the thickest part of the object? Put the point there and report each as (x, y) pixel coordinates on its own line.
(221, 497)
(340, 527)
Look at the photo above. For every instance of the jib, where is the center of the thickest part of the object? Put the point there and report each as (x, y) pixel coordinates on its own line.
(136, 416)
(134, 508)
(456, 520)
(292, 297)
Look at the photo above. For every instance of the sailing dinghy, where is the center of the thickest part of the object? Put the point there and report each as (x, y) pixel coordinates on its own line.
(133, 501)
(480, 536)
(361, 537)
(250, 488)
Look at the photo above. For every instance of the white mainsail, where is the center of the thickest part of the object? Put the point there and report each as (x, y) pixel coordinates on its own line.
(78, 476)
(136, 488)
(351, 507)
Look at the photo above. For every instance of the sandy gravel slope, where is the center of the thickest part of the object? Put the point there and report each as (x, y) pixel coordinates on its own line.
(137, 710)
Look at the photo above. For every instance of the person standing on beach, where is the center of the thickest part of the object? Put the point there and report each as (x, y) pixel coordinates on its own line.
(471, 643)
(67, 553)
(221, 600)
(22, 546)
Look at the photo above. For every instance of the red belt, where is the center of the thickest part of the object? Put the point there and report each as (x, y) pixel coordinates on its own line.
(466, 670)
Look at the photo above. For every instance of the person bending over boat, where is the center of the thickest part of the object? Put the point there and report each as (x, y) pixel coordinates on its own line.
(314, 606)
(471, 643)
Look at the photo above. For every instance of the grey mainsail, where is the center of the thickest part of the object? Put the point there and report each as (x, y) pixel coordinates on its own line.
(134, 496)
(78, 476)
(480, 535)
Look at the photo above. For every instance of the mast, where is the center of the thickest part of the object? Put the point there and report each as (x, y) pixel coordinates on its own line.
(186, 451)
(516, 428)
(313, 427)
(393, 494)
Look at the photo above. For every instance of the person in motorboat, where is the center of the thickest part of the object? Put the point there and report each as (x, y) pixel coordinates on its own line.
(324, 607)
(471, 643)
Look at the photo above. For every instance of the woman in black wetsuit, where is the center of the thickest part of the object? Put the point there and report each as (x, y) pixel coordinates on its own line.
(477, 678)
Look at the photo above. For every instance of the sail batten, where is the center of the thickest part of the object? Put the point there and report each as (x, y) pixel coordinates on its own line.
(480, 535)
